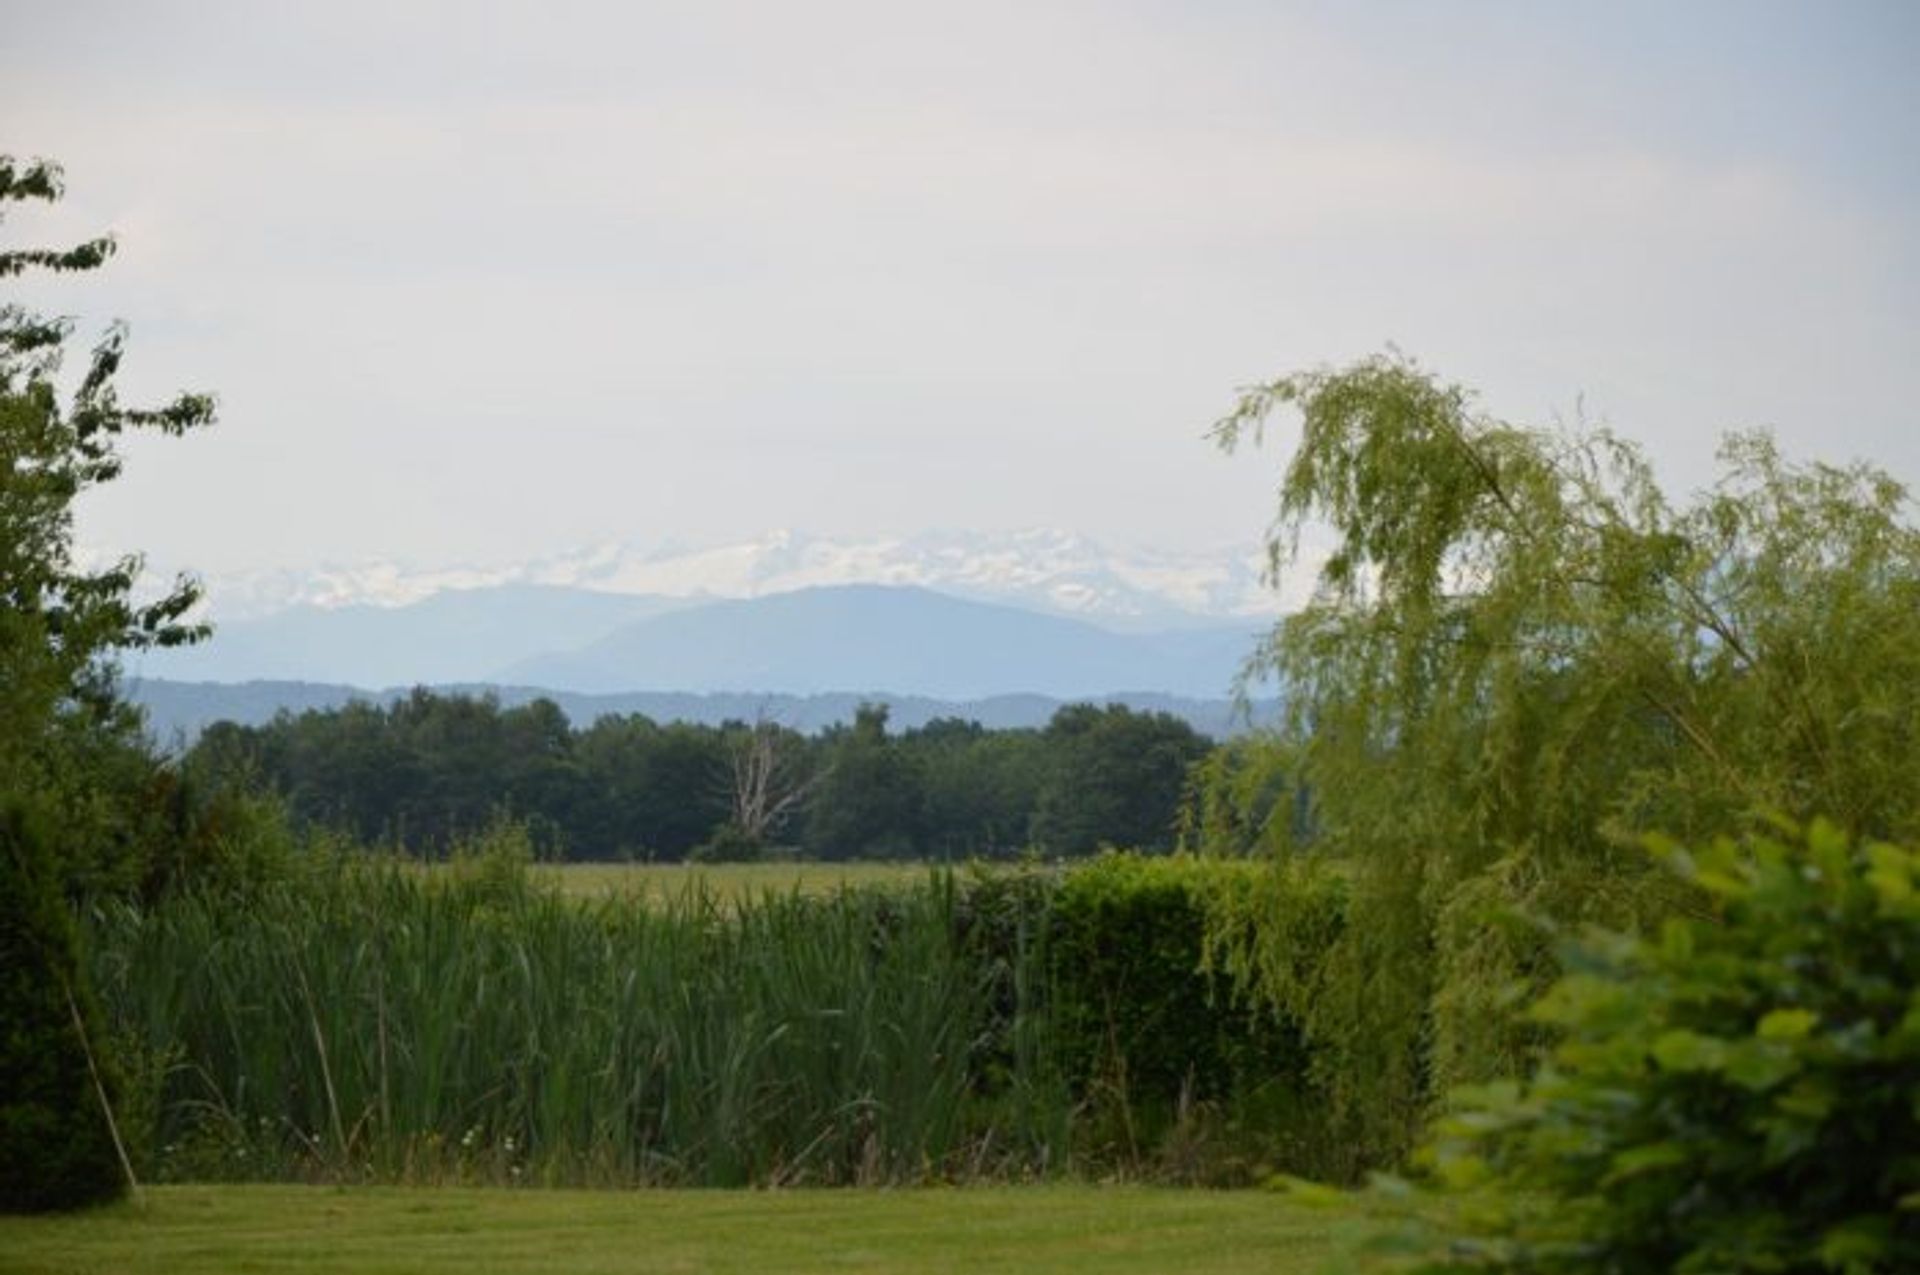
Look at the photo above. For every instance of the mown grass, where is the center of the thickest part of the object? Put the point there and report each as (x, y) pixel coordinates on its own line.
(727, 882)
(419, 1231)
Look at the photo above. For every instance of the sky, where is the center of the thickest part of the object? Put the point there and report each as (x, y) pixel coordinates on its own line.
(477, 282)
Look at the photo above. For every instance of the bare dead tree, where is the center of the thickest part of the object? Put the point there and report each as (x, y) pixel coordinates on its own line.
(769, 777)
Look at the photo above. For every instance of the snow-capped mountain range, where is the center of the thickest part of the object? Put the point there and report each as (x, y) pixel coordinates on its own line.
(1041, 569)
(954, 616)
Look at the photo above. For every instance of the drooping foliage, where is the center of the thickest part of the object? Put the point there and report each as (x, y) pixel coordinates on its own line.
(1518, 653)
(1739, 1093)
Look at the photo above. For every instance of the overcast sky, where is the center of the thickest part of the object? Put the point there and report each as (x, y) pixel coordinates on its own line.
(482, 281)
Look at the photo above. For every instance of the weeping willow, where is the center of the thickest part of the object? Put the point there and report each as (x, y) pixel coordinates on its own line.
(1518, 658)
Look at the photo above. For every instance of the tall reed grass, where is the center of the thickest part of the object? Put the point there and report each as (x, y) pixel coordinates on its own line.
(363, 1020)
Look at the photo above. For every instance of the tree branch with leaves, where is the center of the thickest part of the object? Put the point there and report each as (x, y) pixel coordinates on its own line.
(68, 747)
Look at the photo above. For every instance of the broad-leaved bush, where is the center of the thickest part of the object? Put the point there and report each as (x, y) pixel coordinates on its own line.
(1739, 1091)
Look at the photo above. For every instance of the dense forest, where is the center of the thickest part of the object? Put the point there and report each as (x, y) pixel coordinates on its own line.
(432, 770)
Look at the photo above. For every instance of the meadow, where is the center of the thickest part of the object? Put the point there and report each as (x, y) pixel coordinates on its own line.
(661, 882)
(422, 1231)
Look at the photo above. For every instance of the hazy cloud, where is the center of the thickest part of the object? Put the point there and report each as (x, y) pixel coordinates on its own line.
(484, 280)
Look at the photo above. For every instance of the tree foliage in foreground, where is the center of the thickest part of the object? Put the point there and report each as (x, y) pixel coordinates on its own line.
(67, 742)
(77, 790)
(1519, 654)
(1738, 1093)
(61, 619)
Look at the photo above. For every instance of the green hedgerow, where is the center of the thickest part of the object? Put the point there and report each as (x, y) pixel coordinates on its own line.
(1162, 1049)
(1740, 1092)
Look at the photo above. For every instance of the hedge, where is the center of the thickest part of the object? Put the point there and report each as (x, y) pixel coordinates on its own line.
(1169, 1071)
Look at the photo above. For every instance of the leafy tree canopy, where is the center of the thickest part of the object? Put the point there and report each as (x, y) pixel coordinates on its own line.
(70, 756)
(1114, 776)
(61, 621)
(1518, 654)
(869, 802)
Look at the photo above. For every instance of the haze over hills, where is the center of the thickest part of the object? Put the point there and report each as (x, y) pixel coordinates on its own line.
(909, 641)
(1039, 612)
(854, 638)
(1040, 569)
(460, 635)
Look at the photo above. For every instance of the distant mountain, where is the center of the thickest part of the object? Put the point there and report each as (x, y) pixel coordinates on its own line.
(454, 636)
(905, 641)
(854, 638)
(1040, 569)
(178, 711)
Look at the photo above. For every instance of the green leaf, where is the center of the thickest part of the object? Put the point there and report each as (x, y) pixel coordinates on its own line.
(1809, 1100)
(1638, 1160)
(1683, 1050)
(1760, 1065)
(1855, 1245)
(1787, 1024)
(1890, 874)
(1723, 884)
(1462, 1173)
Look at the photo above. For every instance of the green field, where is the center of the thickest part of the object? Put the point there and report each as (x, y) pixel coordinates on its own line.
(387, 1231)
(726, 881)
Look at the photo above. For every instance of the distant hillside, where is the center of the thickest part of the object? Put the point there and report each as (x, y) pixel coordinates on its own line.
(855, 638)
(904, 640)
(178, 711)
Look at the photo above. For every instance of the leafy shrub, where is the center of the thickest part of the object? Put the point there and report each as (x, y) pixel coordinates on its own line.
(56, 1149)
(1151, 1038)
(1739, 1093)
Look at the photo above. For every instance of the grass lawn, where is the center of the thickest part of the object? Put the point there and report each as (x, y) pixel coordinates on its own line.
(474, 1231)
(724, 880)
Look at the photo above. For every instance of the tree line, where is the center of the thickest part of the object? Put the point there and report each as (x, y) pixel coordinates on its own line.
(431, 770)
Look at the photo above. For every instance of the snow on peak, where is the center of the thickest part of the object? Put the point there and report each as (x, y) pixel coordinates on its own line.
(1038, 568)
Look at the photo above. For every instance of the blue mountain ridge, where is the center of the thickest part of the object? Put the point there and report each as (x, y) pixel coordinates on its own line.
(897, 639)
(852, 639)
